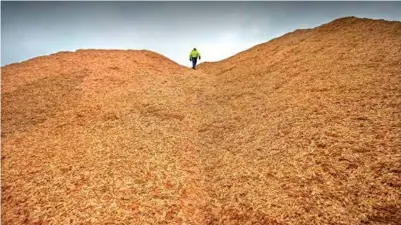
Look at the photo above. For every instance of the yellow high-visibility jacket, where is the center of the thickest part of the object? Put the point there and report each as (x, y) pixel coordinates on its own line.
(194, 54)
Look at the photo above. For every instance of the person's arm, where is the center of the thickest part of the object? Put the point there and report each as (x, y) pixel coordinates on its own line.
(190, 56)
(199, 55)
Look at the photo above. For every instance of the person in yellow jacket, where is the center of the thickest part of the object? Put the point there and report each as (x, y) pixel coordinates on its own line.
(193, 56)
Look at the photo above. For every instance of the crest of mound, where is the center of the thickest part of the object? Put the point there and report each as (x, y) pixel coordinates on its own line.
(351, 39)
(91, 62)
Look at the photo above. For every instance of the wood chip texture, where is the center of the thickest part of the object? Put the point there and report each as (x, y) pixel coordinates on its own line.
(303, 129)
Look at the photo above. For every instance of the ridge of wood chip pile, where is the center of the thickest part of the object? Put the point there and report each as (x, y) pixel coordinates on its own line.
(303, 129)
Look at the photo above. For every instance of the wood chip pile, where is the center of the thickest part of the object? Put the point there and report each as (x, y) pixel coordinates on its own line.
(303, 129)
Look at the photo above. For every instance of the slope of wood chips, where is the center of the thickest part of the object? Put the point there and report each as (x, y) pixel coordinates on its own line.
(303, 129)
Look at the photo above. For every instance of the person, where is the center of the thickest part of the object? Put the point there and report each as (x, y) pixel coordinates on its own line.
(193, 56)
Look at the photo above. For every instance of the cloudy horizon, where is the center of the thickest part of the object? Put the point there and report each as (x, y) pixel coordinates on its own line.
(218, 29)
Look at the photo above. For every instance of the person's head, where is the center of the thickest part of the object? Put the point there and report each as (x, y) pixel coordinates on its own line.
(194, 49)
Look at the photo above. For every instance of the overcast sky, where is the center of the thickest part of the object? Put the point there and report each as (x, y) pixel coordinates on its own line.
(217, 29)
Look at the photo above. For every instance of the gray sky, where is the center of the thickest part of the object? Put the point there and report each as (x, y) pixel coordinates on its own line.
(217, 29)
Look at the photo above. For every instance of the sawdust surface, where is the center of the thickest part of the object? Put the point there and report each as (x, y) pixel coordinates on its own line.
(303, 129)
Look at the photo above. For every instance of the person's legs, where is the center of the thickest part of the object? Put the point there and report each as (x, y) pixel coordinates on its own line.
(194, 62)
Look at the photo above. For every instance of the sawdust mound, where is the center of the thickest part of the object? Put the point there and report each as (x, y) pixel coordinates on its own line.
(303, 129)
(40, 88)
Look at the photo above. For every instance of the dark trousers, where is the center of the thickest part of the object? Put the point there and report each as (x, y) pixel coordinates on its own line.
(194, 60)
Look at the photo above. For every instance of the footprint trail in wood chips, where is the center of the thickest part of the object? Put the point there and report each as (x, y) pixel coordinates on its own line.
(303, 129)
